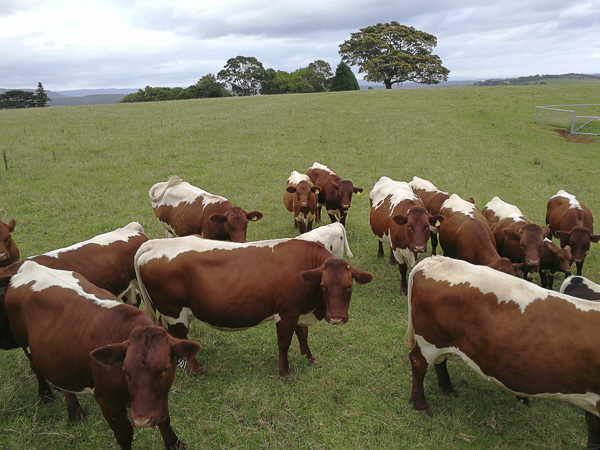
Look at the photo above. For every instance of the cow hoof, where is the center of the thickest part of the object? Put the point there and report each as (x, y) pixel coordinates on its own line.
(78, 416)
(47, 398)
(285, 373)
(313, 361)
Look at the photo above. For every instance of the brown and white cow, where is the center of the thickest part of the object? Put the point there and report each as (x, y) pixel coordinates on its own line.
(515, 334)
(433, 199)
(183, 209)
(9, 253)
(332, 236)
(517, 237)
(571, 222)
(399, 219)
(232, 286)
(100, 344)
(335, 193)
(466, 235)
(300, 198)
(581, 287)
(554, 260)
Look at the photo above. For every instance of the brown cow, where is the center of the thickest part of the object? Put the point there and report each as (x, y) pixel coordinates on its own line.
(529, 340)
(553, 260)
(399, 219)
(466, 235)
(335, 193)
(232, 286)
(433, 199)
(300, 198)
(517, 237)
(571, 222)
(9, 253)
(79, 337)
(183, 209)
(105, 260)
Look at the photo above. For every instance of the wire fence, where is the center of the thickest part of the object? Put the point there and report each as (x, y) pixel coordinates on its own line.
(576, 119)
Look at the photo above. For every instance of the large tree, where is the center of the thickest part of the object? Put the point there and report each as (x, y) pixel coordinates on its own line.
(41, 98)
(392, 53)
(243, 73)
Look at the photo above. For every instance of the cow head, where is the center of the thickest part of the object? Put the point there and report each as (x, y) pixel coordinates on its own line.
(506, 266)
(418, 227)
(149, 358)
(305, 196)
(335, 278)
(9, 253)
(235, 222)
(345, 190)
(579, 239)
(557, 259)
(526, 245)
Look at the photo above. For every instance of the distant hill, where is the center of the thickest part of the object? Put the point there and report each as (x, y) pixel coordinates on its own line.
(567, 78)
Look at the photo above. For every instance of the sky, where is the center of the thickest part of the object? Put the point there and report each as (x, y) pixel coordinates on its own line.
(92, 44)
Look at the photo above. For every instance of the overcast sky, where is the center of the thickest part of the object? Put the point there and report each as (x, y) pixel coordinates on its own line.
(75, 44)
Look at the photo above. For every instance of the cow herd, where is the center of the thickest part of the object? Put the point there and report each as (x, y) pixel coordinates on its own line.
(476, 301)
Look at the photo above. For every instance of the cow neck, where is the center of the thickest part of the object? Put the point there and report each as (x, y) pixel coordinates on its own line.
(320, 256)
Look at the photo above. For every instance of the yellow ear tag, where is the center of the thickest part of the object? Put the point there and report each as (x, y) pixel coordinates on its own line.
(437, 223)
(317, 192)
(358, 193)
(254, 219)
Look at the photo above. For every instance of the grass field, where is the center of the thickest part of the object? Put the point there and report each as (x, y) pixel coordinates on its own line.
(75, 172)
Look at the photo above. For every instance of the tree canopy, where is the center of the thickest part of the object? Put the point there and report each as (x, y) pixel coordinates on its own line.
(344, 79)
(16, 98)
(392, 53)
(243, 73)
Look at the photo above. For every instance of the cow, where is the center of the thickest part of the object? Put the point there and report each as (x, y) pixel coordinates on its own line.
(183, 209)
(9, 253)
(399, 219)
(526, 339)
(553, 260)
(105, 260)
(466, 235)
(517, 237)
(572, 223)
(332, 236)
(335, 193)
(232, 286)
(300, 198)
(580, 287)
(433, 199)
(81, 338)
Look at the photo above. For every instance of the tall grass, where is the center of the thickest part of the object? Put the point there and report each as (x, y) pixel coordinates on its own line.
(76, 172)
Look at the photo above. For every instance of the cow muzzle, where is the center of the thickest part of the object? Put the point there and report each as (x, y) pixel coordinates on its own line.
(143, 422)
(336, 320)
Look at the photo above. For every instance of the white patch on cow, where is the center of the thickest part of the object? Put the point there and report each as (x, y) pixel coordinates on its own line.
(182, 192)
(573, 202)
(276, 317)
(506, 288)
(404, 255)
(332, 236)
(435, 355)
(307, 320)
(585, 282)
(120, 234)
(42, 277)
(297, 177)
(335, 212)
(424, 185)
(184, 318)
(320, 166)
(503, 210)
(398, 190)
(457, 204)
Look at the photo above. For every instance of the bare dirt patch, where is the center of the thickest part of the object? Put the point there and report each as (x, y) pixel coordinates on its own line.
(578, 139)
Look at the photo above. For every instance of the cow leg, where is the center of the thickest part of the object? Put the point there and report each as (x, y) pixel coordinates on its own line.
(74, 409)
(44, 390)
(309, 225)
(285, 332)
(169, 437)
(318, 214)
(434, 243)
(579, 265)
(116, 416)
(444, 382)
(301, 227)
(593, 426)
(334, 219)
(380, 252)
(302, 335)
(419, 369)
(403, 284)
(343, 219)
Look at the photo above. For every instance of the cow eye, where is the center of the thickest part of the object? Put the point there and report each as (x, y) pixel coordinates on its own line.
(166, 371)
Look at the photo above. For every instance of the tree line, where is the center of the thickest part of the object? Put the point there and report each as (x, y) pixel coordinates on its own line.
(16, 98)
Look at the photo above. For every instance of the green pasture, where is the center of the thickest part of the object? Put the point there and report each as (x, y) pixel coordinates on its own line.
(71, 173)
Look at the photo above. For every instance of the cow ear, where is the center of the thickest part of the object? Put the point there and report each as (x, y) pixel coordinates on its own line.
(184, 349)
(357, 191)
(400, 220)
(510, 234)
(111, 354)
(218, 218)
(313, 275)
(291, 189)
(254, 216)
(316, 189)
(11, 225)
(335, 184)
(563, 235)
(360, 276)
(595, 238)
(436, 220)
(546, 231)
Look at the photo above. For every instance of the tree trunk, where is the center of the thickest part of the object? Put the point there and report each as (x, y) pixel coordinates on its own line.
(388, 84)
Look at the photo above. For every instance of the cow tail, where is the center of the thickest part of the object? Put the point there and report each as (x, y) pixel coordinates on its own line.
(157, 191)
(149, 307)
(348, 252)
